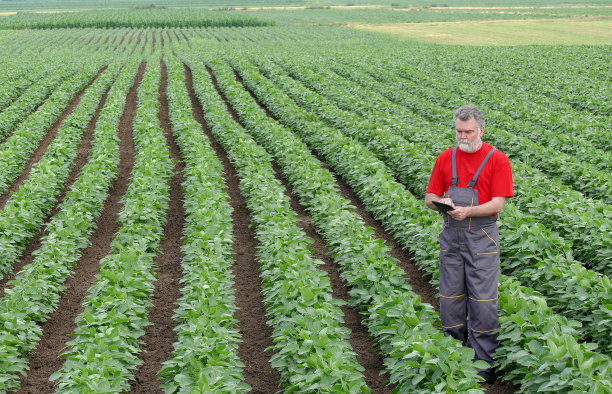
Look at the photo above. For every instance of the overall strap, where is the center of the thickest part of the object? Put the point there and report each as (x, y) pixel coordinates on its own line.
(475, 178)
(455, 178)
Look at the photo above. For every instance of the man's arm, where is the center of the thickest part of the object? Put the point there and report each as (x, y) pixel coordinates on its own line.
(489, 208)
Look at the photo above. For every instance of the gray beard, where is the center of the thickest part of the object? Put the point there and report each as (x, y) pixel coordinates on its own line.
(469, 147)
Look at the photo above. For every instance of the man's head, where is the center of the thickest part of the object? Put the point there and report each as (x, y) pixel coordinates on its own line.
(469, 125)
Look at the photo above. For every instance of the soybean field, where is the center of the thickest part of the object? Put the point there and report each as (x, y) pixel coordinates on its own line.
(228, 200)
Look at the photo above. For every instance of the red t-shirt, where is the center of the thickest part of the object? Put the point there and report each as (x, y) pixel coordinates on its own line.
(495, 179)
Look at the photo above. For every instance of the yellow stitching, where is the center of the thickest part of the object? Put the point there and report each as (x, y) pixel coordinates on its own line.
(487, 253)
(470, 224)
(492, 299)
(453, 326)
(444, 250)
(483, 230)
(482, 332)
(452, 296)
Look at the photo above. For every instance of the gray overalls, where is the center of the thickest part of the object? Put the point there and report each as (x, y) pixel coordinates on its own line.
(469, 272)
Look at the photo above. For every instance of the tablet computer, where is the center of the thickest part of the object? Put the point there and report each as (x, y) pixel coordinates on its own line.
(443, 207)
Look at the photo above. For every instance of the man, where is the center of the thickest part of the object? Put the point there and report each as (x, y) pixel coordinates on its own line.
(474, 179)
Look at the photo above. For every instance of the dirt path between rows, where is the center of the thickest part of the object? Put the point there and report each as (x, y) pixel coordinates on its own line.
(160, 336)
(251, 313)
(58, 329)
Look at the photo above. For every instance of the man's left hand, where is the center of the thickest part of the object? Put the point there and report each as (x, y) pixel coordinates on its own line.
(459, 213)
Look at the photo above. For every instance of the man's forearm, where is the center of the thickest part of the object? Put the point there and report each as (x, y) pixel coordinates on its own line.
(489, 208)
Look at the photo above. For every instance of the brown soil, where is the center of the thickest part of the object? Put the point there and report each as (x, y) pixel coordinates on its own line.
(160, 336)
(58, 329)
(144, 45)
(256, 334)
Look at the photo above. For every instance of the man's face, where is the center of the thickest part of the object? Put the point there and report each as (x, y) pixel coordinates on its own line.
(468, 135)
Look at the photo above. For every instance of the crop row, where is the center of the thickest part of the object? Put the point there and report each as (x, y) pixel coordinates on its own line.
(205, 355)
(103, 353)
(527, 324)
(569, 213)
(35, 291)
(17, 149)
(417, 356)
(110, 19)
(25, 211)
(311, 345)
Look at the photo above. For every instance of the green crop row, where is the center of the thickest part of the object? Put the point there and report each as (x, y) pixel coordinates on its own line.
(527, 323)
(418, 357)
(25, 212)
(103, 353)
(205, 355)
(507, 109)
(111, 19)
(35, 291)
(312, 351)
(517, 108)
(581, 221)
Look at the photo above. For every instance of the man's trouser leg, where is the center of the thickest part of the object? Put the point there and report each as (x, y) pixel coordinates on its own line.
(482, 276)
(453, 305)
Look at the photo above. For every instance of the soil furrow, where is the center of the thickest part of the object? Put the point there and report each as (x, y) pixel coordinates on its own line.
(160, 336)
(58, 329)
(251, 313)
(359, 339)
(418, 280)
(44, 144)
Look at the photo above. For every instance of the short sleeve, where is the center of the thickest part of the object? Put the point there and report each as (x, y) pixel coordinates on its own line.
(436, 184)
(502, 180)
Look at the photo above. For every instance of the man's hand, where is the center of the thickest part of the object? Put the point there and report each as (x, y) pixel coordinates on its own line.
(459, 213)
(430, 197)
